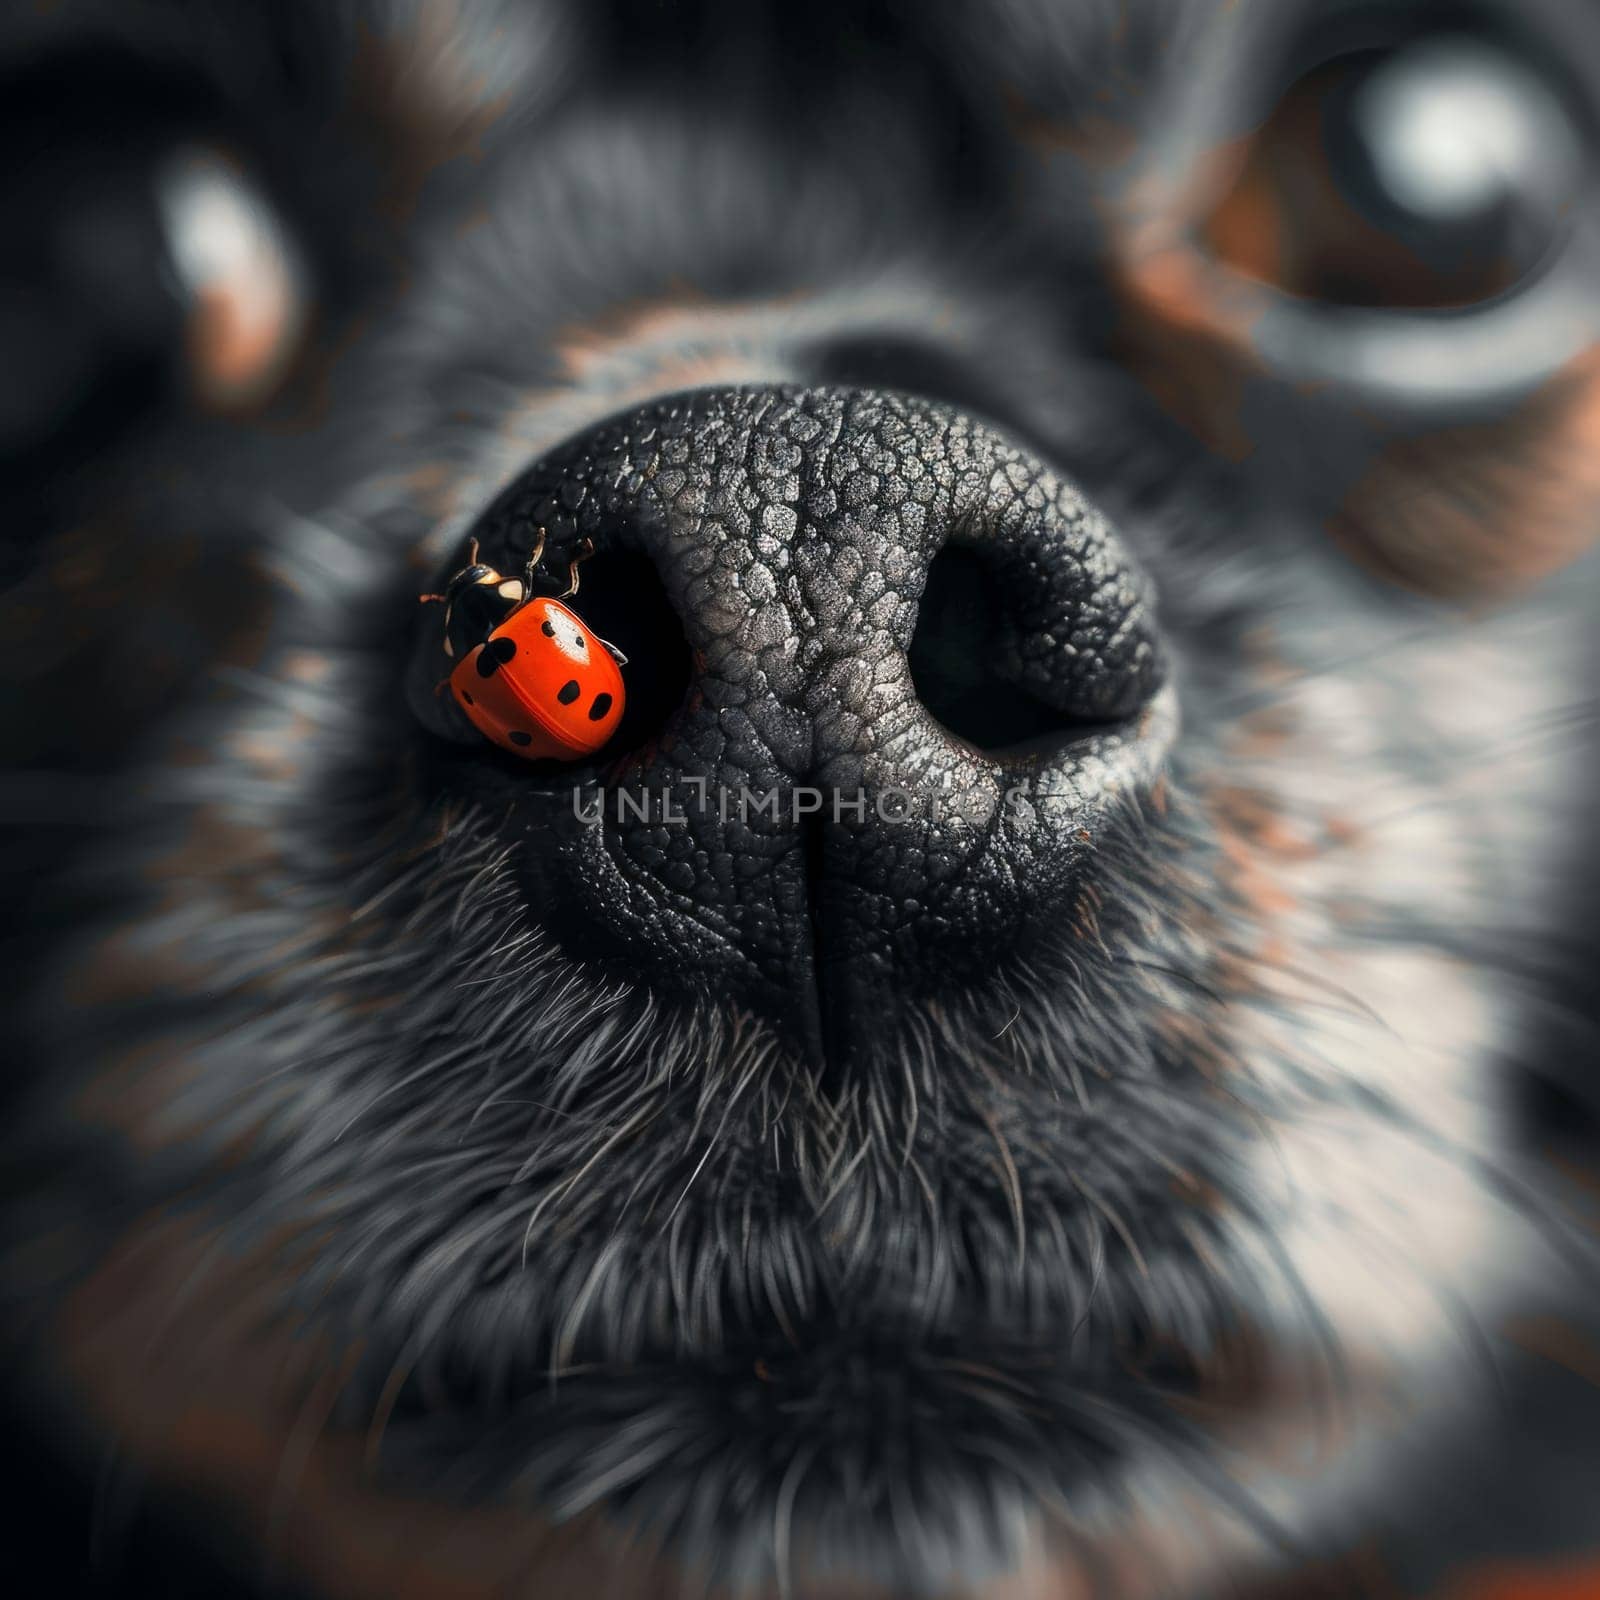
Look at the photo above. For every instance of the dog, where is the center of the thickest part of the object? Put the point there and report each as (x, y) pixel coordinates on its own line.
(1046, 1049)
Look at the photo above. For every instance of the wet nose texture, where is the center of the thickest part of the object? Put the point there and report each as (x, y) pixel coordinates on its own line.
(920, 670)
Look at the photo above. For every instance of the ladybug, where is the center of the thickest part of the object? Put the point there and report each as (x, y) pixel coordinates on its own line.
(529, 673)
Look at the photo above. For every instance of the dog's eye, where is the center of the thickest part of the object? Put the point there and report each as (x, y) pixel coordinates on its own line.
(237, 276)
(1439, 172)
(141, 263)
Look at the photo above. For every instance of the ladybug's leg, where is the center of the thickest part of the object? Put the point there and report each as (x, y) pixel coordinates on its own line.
(584, 552)
(448, 601)
(472, 561)
(535, 556)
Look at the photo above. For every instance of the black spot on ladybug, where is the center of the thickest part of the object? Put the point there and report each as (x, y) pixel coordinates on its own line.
(517, 736)
(494, 655)
(547, 628)
(467, 697)
(568, 692)
(578, 642)
(602, 704)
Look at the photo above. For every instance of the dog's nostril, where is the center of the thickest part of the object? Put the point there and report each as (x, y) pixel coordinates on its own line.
(965, 651)
(955, 657)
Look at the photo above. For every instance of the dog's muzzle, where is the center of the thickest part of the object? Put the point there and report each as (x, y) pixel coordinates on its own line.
(888, 678)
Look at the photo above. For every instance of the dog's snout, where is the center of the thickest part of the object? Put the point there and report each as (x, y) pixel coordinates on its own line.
(887, 677)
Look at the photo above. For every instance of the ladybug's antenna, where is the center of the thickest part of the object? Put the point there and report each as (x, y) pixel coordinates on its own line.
(585, 550)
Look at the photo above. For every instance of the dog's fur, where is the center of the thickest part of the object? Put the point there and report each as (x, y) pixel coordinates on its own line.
(353, 1216)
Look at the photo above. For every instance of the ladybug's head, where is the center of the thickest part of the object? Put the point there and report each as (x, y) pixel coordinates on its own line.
(477, 599)
(475, 574)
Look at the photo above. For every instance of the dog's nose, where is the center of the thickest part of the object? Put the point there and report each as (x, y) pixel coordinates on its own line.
(890, 680)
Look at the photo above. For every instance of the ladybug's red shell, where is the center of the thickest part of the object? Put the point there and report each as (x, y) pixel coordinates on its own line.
(541, 685)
